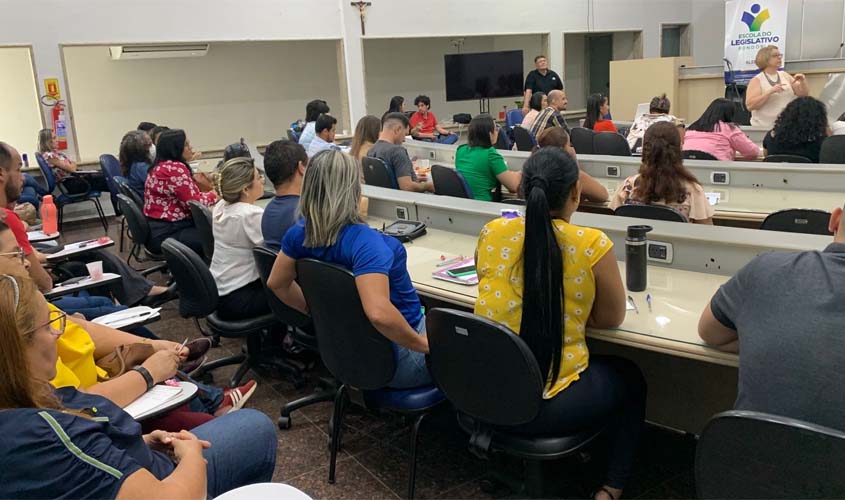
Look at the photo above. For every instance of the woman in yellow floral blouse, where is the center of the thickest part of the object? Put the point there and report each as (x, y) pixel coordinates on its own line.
(573, 282)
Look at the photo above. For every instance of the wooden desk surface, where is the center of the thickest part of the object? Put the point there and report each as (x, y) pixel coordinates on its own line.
(678, 297)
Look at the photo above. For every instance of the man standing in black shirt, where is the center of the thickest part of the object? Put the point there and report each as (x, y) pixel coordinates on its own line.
(541, 79)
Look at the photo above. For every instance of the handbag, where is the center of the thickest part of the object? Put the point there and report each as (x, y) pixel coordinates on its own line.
(124, 358)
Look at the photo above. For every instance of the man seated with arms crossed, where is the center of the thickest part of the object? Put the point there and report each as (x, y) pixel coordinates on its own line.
(424, 126)
(551, 116)
(284, 163)
(783, 313)
(324, 132)
(389, 149)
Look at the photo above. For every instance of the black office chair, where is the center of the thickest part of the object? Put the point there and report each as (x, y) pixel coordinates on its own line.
(205, 227)
(610, 144)
(469, 355)
(523, 139)
(65, 197)
(798, 220)
(111, 169)
(358, 355)
(449, 182)
(503, 140)
(139, 233)
(786, 159)
(692, 154)
(582, 140)
(292, 135)
(377, 173)
(124, 189)
(198, 298)
(833, 150)
(654, 212)
(302, 332)
(746, 454)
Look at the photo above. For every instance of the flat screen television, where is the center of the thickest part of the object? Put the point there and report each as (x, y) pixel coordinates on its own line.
(483, 75)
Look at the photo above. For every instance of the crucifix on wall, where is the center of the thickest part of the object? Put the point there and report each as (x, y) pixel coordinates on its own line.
(362, 7)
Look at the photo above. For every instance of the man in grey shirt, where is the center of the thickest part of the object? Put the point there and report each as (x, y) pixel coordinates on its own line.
(784, 313)
(388, 148)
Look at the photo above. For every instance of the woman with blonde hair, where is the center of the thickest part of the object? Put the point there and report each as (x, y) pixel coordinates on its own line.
(236, 222)
(366, 134)
(772, 89)
(93, 448)
(332, 231)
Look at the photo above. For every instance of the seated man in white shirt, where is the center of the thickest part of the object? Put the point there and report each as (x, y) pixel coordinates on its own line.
(324, 132)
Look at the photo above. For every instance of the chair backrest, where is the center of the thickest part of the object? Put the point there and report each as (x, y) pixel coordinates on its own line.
(582, 140)
(292, 135)
(744, 454)
(786, 159)
(798, 220)
(654, 212)
(449, 182)
(123, 188)
(692, 154)
(514, 117)
(47, 172)
(111, 169)
(264, 259)
(523, 139)
(351, 348)
(503, 140)
(833, 150)
(139, 227)
(377, 173)
(197, 290)
(470, 355)
(611, 144)
(204, 224)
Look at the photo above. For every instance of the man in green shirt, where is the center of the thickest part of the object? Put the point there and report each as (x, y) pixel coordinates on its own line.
(479, 162)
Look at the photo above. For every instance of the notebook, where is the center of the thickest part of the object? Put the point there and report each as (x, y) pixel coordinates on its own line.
(150, 401)
(131, 316)
(470, 279)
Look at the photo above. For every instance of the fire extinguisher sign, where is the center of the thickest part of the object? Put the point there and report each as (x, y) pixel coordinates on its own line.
(51, 85)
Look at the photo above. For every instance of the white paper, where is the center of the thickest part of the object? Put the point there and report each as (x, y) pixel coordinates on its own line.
(156, 397)
(38, 236)
(130, 316)
(74, 248)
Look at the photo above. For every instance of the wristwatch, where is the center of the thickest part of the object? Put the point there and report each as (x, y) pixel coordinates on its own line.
(146, 374)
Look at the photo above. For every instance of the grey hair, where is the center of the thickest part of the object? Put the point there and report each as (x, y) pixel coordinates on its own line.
(331, 192)
(233, 177)
(44, 136)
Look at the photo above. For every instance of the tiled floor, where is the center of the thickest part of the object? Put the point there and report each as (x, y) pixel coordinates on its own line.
(373, 462)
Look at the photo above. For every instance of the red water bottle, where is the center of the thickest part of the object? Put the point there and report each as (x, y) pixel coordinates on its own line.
(49, 216)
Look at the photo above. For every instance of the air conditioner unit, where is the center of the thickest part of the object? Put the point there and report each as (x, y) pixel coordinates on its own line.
(159, 51)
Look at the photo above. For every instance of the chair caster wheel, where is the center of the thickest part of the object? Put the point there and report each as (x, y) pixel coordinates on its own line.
(284, 423)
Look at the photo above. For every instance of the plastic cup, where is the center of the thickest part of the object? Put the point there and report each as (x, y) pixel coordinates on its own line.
(95, 270)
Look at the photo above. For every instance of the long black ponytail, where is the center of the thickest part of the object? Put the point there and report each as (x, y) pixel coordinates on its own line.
(548, 178)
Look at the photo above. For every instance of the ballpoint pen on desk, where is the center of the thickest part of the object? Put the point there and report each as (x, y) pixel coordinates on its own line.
(631, 300)
(648, 300)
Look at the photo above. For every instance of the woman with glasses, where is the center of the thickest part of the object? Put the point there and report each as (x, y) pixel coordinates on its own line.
(772, 89)
(93, 448)
(236, 222)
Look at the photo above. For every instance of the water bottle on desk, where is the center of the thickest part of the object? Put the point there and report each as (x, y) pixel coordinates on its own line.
(636, 258)
(49, 216)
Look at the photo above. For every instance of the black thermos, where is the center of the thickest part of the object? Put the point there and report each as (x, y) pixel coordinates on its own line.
(636, 258)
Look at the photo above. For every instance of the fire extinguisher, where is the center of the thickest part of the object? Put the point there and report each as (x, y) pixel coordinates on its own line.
(60, 125)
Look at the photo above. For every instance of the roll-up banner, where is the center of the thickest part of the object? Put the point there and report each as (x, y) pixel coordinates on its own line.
(749, 26)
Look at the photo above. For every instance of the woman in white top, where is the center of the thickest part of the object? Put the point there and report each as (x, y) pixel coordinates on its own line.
(237, 229)
(538, 103)
(771, 90)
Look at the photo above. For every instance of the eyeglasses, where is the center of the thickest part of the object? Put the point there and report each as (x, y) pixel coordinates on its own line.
(17, 253)
(56, 323)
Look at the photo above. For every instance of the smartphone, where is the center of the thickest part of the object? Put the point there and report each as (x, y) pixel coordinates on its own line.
(461, 271)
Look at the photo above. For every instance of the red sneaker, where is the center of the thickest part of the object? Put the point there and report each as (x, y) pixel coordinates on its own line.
(238, 396)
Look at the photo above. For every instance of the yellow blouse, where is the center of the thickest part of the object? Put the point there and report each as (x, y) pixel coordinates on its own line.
(500, 285)
(75, 366)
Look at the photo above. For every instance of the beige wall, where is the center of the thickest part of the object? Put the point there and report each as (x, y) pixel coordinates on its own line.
(19, 100)
(412, 66)
(240, 89)
(637, 81)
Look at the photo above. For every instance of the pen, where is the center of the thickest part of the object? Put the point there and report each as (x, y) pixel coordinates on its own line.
(631, 299)
(451, 261)
(182, 346)
(648, 300)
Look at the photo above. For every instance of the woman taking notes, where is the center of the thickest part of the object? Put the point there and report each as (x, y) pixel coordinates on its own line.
(771, 90)
(574, 283)
(332, 231)
(89, 446)
(236, 223)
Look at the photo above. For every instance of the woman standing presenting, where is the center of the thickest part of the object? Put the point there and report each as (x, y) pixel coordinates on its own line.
(771, 90)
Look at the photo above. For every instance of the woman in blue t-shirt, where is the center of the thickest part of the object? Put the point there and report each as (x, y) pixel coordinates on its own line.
(333, 232)
(68, 444)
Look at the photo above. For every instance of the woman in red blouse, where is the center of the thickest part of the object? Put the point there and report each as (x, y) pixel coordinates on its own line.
(597, 109)
(169, 187)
